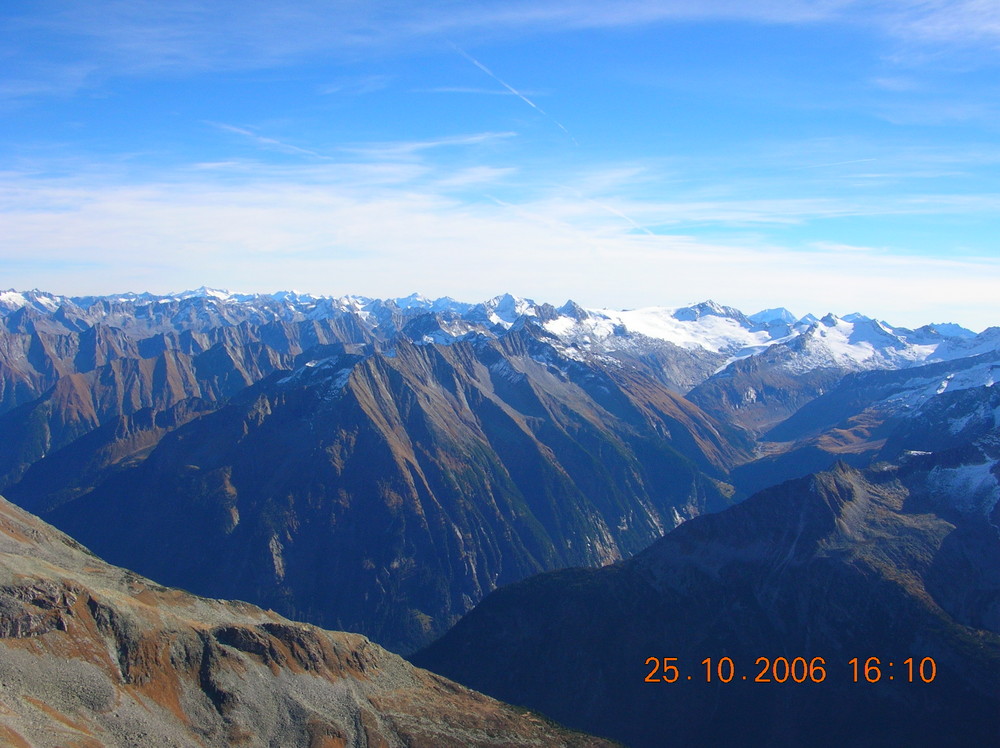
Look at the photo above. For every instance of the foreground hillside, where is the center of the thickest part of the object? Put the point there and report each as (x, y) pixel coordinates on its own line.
(94, 655)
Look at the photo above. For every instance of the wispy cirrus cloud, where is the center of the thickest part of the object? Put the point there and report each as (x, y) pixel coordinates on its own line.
(113, 38)
(357, 86)
(338, 227)
(946, 21)
(473, 90)
(108, 39)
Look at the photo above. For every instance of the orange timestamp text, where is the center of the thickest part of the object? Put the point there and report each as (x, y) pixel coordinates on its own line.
(790, 670)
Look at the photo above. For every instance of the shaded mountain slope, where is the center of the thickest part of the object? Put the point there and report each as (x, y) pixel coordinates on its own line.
(388, 493)
(890, 563)
(94, 655)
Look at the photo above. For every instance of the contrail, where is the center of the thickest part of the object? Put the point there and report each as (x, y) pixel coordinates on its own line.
(514, 91)
(835, 163)
(615, 211)
(268, 142)
(551, 222)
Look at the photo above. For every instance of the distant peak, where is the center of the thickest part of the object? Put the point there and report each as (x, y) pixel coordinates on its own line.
(414, 300)
(292, 295)
(574, 310)
(948, 329)
(778, 315)
(504, 299)
(204, 292)
(508, 304)
(709, 308)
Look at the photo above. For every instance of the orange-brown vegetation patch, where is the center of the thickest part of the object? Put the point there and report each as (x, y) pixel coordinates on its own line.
(84, 743)
(236, 735)
(372, 733)
(324, 735)
(13, 739)
(76, 726)
(857, 438)
(146, 597)
(154, 676)
(83, 641)
(11, 530)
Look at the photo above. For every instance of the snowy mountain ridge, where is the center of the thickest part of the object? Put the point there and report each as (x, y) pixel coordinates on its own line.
(854, 342)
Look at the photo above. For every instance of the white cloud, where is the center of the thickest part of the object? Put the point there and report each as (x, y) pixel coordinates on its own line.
(107, 39)
(320, 229)
(949, 21)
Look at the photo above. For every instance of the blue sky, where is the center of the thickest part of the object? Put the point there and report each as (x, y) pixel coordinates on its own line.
(825, 156)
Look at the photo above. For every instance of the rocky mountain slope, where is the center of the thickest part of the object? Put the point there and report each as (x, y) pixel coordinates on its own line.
(94, 655)
(388, 493)
(894, 563)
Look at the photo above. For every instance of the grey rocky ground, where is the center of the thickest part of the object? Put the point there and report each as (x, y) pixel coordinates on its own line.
(94, 655)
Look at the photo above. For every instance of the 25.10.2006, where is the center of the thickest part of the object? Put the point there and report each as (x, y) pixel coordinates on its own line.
(770, 670)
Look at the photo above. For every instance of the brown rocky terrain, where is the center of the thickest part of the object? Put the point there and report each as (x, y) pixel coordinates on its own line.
(387, 493)
(94, 655)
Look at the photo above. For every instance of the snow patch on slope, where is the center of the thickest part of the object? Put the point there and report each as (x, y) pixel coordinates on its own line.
(973, 488)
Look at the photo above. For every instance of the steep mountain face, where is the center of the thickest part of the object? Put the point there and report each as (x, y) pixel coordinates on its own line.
(892, 563)
(387, 493)
(130, 389)
(94, 655)
(764, 389)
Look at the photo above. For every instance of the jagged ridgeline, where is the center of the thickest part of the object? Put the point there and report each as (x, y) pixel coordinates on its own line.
(380, 466)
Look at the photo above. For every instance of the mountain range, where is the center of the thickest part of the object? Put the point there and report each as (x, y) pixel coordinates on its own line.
(741, 486)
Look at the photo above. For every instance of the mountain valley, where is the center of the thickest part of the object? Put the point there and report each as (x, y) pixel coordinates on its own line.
(550, 495)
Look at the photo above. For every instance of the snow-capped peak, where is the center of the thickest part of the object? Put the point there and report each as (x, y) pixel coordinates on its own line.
(779, 315)
(707, 326)
(204, 292)
(295, 296)
(709, 309)
(11, 300)
(414, 300)
(505, 310)
(723, 333)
